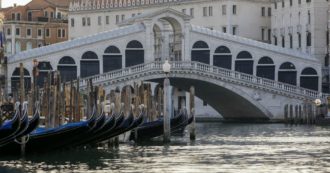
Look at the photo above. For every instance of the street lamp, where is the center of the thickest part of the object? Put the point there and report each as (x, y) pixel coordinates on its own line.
(167, 103)
(317, 102)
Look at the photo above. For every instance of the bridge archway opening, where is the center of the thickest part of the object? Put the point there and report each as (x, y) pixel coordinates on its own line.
(266, 68)
(89, 64)
(222, 57)
(244, 62)
(44, 68)
(134, 53)
(200, 52)
(287, 73)
(15, 80)
(112, 59)
(67, 68)
(309, 79)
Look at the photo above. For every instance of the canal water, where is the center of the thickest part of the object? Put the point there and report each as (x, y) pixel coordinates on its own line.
(218, 148)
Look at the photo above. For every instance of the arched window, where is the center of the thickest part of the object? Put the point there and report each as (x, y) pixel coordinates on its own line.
(244, 63)
(287, 73)
(112, 59)
(222, 57)
(28, 45)
(309, 79)
(89, 64)
(18, 46)
(15, 80)
(67, 68)
(266, 68)
(44, 68)
(134, 53)
(200, 52)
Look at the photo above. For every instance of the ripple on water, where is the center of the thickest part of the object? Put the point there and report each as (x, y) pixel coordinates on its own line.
(218, 148)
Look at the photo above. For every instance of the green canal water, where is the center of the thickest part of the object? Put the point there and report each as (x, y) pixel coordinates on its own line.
(218, 148)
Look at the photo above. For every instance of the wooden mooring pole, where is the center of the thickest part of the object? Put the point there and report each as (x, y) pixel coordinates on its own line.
(22, 99)
(192, 113)
(167, 111)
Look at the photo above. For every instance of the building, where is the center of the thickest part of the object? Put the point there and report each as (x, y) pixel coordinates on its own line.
(38, 23)
(246, 18)
(303, 25)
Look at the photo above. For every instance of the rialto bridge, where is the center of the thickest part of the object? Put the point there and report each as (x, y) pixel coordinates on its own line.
(238, 77)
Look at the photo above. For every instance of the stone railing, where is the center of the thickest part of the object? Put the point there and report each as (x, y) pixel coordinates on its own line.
(207, 71)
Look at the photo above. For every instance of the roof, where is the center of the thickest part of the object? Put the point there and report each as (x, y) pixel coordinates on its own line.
(41, 4)
(59, 3)
(54, 48)
(246, 41)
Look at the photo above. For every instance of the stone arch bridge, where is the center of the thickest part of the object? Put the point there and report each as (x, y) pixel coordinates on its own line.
(239, 77)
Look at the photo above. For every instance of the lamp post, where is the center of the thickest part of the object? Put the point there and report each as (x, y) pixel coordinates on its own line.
(167, 103)
(35, 75)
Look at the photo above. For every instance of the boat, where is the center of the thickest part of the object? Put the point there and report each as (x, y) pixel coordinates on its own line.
(153, 129)
(45, 140)
(10, 127)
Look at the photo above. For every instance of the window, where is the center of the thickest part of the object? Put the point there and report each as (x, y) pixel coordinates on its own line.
(309, 39)
(63, 33)
(88, 21)
(29, 16)
(234, 9)
(39, 32)
(8, 31)
(299, 40)
(283, 4)
(283, 41)
(224, 9)
(262, 34)
(290, 2)
(52, 14)
(18, 16)
(309, 17)
(117, 18)
(83, 21)
(72, 22)
(18, 31)
(210, 11)
(122, 17)
(107, 20)
(269, 34)
(184, 11)
(308, 1)
(99, 20)
(59, 33)
(28, 32)
(291, 41)
(58, 15)
(46, 13)
(269, 12)
(275, 40)
(47, 32)
(204, 11)
(275, 5)
(12, 16)
(234, 30)
(224, 29)
(262, 11)
(299, 2)
(192, 12)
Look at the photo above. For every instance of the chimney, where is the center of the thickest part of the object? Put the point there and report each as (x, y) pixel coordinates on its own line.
(15, 4)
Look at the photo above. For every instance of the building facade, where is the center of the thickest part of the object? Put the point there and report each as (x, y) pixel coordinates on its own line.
(246, 18)
(38, 23)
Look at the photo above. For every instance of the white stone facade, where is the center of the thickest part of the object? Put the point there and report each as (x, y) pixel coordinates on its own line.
(301, 25)
(240, 17)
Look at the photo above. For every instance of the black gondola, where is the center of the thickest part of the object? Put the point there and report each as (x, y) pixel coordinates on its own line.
(10, 127)
(43, 140)
(155, 128)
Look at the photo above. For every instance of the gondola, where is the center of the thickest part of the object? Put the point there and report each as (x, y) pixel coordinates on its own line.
(43, 140)
(118, 129)
(155, 128)
(10, 127)
(179, 129)
(110, 124)
(22, 128)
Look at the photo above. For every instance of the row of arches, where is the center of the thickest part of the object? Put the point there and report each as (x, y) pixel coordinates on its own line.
(244, 63)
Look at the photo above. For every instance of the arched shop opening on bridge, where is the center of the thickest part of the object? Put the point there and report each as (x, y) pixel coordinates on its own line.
(287, 73)
(200, 52)
(134, 53)
(112, 59)
(89, 64)
(309, 79)
(44, 68)
(15, 80)
(222, 57)
(244, 63)
(266, 68)
(67, 68)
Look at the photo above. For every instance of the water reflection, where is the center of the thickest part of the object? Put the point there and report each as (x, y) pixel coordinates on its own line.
(218, 148)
